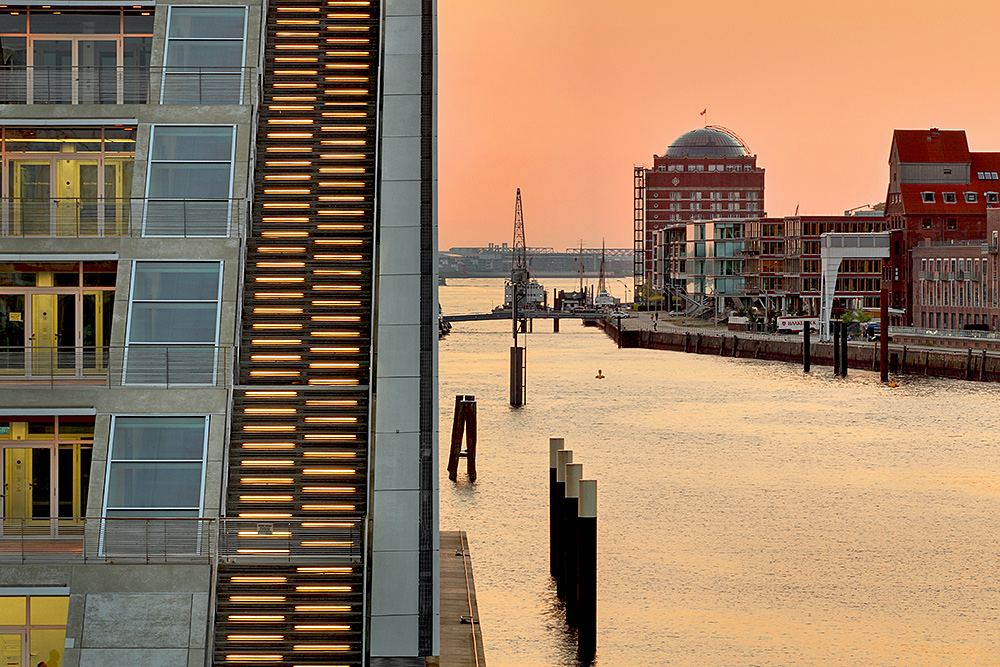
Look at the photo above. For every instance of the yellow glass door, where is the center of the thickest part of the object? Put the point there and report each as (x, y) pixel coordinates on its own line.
(77, 202)
(54, 334)
(27, 483)
(31, 209)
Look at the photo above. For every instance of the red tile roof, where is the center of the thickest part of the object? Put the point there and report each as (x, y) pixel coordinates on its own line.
(913, 203)
(931, 145)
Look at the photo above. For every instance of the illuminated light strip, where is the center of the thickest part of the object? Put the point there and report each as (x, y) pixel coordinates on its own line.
(276, 341)
(254, 638)
(323, 589)
(332, 401)
(256, 598)
(254, 657)
(266, 428)
(341, 184)
(327, 489)
(265, 499)
(266, 515)
(287, 205)
(330, 436)
(268, 445)
(342, 170)
(291, 98)
(279, 279)
(262, 552)
(335, 318)
(348, 53)
(253, 533)
(342, 156)
(295, 59)
(288, 163)
(267, 481)
(328, 471)
(274, 325)
(279, 235)
(291, 121)
(326, 570)
(332, 382)
(329, 508)
(293, 72)
(269, 394)
(340, 226)
(336, 258)
(278, 295)
(322, 607)
(286, 191)
(258, 579)
(335, 350)
(269, 411)
(284, 218)
(287, 177)
(276, 357)
(308, 628)
(275, 374)
(332, 420)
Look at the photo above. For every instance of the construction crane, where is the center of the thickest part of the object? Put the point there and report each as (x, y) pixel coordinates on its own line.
(519, 262)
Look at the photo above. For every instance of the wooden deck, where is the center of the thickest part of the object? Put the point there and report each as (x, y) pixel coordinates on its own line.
(461, 639)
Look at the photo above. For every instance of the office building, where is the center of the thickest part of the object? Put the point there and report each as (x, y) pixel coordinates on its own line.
(217, 333)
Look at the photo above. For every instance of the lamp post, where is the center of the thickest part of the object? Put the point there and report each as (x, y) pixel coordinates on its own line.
(626, 290)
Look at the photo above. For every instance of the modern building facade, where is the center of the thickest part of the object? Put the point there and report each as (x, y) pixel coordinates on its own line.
(217, 333)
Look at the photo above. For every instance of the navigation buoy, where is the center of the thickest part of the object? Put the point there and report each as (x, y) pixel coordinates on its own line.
(600, 375)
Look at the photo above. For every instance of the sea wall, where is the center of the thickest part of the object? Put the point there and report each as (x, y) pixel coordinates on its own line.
(951, 363)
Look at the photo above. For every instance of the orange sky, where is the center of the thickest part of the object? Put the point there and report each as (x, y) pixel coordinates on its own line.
(561, 98)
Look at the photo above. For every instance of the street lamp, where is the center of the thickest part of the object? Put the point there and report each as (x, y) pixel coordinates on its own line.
(626, 290)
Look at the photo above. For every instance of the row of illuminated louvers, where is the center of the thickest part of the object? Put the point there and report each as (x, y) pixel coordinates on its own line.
(299, 437)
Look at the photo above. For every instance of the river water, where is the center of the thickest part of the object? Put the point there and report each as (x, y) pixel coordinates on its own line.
(748, 514)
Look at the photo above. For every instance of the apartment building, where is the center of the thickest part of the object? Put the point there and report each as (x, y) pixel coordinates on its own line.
(217, 362)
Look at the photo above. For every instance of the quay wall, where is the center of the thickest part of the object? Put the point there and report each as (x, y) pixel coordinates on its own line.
(949, 363)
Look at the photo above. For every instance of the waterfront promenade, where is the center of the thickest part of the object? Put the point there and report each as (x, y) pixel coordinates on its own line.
(684, 335)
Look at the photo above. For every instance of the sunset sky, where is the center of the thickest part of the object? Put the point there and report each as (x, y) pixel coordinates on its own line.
(561, 98)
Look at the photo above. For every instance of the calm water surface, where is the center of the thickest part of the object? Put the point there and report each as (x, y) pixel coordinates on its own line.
(748, 514)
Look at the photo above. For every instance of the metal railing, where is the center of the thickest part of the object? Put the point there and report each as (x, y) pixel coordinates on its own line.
(157, 540)
(290, 540)
(127, 85)
(117, 366)
(943, 333)
(103, 217)
(107, 540)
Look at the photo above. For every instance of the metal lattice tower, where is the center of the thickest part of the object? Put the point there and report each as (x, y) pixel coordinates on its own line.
(519, 263)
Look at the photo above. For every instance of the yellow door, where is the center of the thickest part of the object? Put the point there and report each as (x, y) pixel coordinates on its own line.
(10, 650)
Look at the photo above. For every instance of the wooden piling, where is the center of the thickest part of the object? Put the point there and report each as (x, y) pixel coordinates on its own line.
(587, 586)
(806, 360)
(456, 439)
(517, 376)
(471, 436)
(574, 473)
(555, 325)
(555, 444)
(563, 457)
(982, 366)
(835, 327)
(843, 350)
(968, 366)
(883, 336)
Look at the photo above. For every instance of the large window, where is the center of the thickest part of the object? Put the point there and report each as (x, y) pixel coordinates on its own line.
(189, 184)
(205, 55)
(156, 467)
(64, 56)
(173, 323)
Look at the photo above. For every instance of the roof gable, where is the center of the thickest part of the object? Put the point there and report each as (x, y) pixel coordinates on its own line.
(931, 145)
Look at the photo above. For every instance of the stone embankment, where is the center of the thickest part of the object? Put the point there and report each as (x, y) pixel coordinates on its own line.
(950, 363)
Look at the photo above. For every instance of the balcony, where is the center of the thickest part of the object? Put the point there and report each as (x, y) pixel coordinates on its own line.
(128, 85)
(123, 540)
(107, 217)
(134, 365)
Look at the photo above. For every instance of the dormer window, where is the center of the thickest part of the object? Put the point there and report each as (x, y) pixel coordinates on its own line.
(987, 175)
(949, 197)
(970, 198)
(927, 197)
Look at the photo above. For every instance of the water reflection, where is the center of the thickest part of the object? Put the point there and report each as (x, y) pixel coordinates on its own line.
(749, 514)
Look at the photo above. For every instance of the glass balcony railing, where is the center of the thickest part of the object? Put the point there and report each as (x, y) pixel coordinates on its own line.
(132, 365)
(127, 85)
(101, 217)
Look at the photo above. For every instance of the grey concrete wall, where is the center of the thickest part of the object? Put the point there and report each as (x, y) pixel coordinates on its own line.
(396, 495)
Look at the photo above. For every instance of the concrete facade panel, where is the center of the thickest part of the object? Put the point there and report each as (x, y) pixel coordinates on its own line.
(136, 620)
(400, 205)
(402, 75)
(397, 350)
(399, 255)
(403, 8)
(397, 302)
(402, 36)
(395, 590)
(402, 115)
(147, 657)
(396, 457)
(395, 521)
(394, 411)
(394, 635)
(401, 159)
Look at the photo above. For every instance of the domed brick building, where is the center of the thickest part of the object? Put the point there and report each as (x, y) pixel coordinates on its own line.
(704, 174)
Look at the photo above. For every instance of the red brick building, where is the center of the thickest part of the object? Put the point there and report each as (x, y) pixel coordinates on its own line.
(938, 194)
(704, 174)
